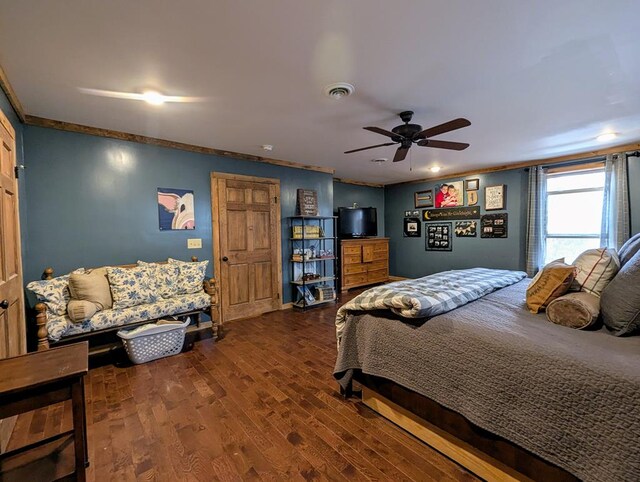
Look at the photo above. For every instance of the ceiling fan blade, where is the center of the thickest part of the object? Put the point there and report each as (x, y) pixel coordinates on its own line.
(401, 153)
(384, 132)
(370, 147)
(458, 123)
(455, 146)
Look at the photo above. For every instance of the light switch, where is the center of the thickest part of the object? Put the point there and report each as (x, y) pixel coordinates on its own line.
(194, 243)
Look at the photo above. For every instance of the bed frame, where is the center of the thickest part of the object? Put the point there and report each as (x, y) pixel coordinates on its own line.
(102, 341)
(489, 456)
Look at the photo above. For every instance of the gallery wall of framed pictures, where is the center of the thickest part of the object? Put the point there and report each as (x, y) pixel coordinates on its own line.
(457, 201)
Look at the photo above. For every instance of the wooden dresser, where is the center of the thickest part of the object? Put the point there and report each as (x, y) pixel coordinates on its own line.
(363, 262)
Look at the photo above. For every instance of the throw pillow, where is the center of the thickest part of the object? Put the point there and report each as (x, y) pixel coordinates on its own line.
(629, 249)
(132, 286)
(620, 302)
(166, 277)
(575, 310)
(191, 275)
(81, 310)
(54, 293)
(595, 268)
(91, 286)
(551, 282)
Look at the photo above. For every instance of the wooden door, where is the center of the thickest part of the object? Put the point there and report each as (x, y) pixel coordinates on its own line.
(247, 244)
(12, 325)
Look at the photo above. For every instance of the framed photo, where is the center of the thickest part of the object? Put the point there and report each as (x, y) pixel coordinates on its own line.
(412, 228)
(449, 195)
(175, 209)
(472, 184)
(466, 229)
(407, 214)
(424, 199)
(437, 237)
(494, 197)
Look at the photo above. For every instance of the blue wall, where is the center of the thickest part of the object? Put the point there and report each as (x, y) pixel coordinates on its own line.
(634, 193)
(344, 195)
(92, 200)
(408, 256)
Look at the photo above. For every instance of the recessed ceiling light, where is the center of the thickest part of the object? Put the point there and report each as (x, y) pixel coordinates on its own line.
(435, 169)
(379, 160)
(607, 136)
(150, 96)
(338, 90)
(267, 147)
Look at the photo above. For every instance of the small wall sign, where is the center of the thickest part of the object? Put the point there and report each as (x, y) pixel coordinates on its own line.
(424, 199)
(307, 204)
(494, 197)
(494, 225)
(472, 198)
(450, 213)
(466, 229)
(412, 228)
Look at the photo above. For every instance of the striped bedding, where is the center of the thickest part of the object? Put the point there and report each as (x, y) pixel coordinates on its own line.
(428, 296)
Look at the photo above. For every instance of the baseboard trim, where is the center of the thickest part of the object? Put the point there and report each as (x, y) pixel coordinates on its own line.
(286, 306)
(398, 278)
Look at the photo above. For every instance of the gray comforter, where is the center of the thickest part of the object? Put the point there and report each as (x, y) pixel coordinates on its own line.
(571, 397)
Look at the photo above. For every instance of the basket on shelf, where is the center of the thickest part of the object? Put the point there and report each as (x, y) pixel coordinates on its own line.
(153, 341)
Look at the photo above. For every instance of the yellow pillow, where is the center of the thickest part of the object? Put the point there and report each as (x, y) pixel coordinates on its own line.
(551, 282)
(81, 310)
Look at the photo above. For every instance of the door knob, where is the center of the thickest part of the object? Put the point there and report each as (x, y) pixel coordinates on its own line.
(4, 304)
(224, 258)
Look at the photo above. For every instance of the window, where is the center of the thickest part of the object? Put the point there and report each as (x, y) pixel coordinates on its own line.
(574, 212)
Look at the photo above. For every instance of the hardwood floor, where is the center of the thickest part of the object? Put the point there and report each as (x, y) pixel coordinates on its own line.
(261, 404)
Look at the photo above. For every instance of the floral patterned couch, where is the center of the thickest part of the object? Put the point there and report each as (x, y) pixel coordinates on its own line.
(141, 293)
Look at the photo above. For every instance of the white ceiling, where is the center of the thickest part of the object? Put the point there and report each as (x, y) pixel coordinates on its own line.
(536, 79)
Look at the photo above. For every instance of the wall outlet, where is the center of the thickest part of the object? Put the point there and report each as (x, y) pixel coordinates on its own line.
(194, 243)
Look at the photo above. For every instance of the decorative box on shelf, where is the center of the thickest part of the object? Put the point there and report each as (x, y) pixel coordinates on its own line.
(310, 231)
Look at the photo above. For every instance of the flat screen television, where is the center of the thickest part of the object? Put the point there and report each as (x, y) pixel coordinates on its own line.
(357, 222)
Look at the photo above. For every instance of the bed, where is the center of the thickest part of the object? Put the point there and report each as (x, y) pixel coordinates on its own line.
(530, 398)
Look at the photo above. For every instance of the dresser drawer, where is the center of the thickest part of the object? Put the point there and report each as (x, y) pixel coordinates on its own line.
(382, 264)
(381, 246)
(355, 279)
(352, 259)
(352, 249)
(378, 275)
(355, 268)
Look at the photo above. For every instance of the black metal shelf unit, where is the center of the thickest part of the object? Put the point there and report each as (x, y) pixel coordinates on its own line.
(314, 260)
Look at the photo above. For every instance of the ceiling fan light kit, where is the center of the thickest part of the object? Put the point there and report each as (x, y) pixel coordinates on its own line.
(408, 134)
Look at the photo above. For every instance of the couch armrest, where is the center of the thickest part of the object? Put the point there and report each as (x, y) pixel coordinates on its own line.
(41, 322)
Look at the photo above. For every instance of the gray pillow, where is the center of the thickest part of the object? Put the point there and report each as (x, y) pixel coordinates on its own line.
(628, 249)
(620, 300)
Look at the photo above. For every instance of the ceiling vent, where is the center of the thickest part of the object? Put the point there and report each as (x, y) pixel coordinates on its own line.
(338, 90)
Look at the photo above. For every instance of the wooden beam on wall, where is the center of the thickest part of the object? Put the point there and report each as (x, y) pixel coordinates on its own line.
(521, 165)
(125, 136)
(5, 85)
(357, 183)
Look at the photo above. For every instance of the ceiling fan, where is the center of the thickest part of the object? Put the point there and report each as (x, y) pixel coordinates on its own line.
(408, 134)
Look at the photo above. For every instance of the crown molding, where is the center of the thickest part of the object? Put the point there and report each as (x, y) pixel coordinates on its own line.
(6, 87)
(357, 183)
(521, 165)
(126, 136)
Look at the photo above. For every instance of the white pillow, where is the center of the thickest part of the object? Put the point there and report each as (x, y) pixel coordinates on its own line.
(191, 275)
(166, 276)
(595, 268)
(132, 286)
(54, 292)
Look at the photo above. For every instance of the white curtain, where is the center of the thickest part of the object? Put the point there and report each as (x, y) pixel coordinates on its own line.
(615, 208)
(536, 219)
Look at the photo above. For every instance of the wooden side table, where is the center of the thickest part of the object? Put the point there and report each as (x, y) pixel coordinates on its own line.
(35, 380)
